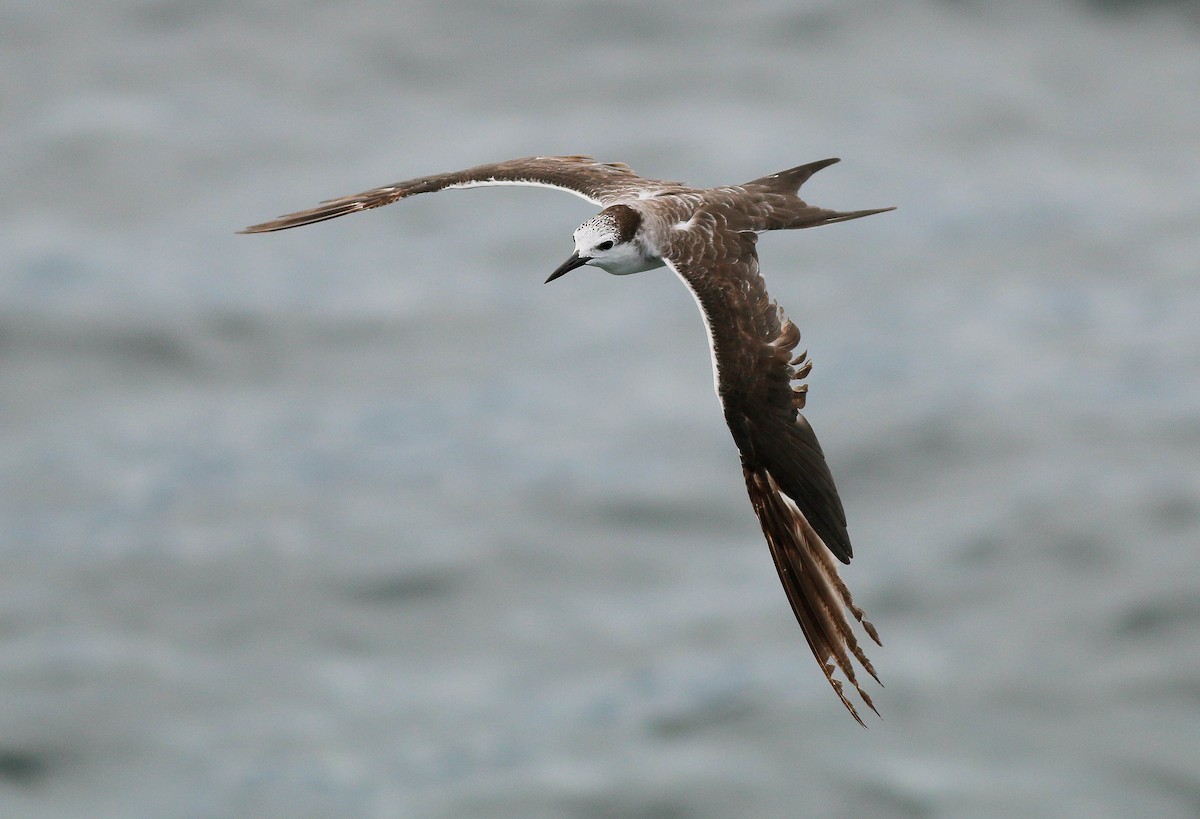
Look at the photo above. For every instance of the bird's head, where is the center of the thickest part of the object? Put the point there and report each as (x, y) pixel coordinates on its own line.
(607, 242)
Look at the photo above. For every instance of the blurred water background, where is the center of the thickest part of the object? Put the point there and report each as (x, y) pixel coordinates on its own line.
(363, 521)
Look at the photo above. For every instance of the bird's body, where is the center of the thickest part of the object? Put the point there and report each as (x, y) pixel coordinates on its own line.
(707, 237)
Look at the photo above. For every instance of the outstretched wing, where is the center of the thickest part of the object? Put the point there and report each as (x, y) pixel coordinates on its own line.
(602, 183)
(789, 483)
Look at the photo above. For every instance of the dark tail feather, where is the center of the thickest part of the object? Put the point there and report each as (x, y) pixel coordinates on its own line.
(789, 211)
(799, 214)
(789, 181)
(815, 217)
(819, 598)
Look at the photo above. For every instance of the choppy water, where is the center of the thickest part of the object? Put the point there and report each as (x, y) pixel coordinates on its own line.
(363, 521)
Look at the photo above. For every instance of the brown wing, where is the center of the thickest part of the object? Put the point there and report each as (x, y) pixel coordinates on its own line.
(789, 483)
(601, 183)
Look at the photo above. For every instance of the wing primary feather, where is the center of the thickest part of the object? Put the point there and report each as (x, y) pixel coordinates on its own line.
(819, 598)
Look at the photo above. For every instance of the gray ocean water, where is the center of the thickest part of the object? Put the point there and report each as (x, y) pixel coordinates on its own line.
(362, 520)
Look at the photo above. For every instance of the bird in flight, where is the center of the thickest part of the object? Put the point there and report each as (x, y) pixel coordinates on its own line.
(707, 237)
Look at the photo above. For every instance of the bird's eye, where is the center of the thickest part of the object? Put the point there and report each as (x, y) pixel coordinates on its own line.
(605, 245)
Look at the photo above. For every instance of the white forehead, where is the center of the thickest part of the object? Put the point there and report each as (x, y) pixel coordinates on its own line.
(594, 231)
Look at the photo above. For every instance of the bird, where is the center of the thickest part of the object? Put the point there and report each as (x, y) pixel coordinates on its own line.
(707, 238)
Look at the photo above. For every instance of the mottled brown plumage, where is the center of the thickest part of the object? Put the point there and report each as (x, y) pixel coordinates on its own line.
(707, 237)
(602, 183)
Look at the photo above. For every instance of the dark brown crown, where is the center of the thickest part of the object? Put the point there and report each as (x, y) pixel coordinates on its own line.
(626, 219)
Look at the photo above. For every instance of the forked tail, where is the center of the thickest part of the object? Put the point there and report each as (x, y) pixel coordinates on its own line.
(788, 210)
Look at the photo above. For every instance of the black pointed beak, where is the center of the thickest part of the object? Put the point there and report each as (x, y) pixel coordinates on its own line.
(570, 264)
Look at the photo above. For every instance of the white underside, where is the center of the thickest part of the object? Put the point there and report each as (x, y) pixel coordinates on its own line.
(527, 184)
(712, 348)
